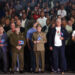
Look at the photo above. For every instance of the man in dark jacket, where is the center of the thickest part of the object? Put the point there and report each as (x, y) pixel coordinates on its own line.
(48, 54)
(57, 44)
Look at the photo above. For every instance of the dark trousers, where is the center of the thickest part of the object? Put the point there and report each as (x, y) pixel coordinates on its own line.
(32, 57)
(48, 58)
(59, 58)
(3, 56)
(5, 63)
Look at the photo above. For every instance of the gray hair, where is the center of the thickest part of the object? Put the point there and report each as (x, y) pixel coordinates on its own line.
(58, 19)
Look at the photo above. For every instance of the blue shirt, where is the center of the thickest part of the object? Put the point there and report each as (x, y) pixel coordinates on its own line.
(4, 40)
(30, 33)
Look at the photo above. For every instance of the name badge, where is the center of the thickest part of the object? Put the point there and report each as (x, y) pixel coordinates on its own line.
(62, 34)
(21, 42)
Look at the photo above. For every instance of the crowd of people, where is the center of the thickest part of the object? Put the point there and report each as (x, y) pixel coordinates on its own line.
(37, 36)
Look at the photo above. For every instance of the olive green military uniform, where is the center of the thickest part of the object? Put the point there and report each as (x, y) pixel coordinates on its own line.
(14, 41)
(39, 49)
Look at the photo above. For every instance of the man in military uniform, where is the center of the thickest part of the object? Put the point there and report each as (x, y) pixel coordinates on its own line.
(17, 42)
(39, 39)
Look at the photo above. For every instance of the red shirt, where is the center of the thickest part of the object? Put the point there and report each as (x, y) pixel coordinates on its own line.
(36, 16)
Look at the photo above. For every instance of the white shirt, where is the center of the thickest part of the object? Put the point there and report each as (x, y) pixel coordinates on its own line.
(23, 23)
(73, 34)
(62, 13)
(42, 21)
(69, 28)
(57, 40)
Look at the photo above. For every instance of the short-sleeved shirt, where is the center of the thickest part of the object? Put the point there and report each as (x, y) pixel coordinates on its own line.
(30, 33)
(62, 13)
(42, 21)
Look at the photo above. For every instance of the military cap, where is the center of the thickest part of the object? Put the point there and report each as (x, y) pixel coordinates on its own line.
(39, 25)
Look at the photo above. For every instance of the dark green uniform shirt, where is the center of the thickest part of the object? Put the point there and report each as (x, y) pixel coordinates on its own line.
(14, 41)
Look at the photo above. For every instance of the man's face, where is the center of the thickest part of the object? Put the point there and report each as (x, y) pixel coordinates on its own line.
(70, 22)
(47, 22)
(1, 30)
(12, 26)
(42, 14)
(57, 4)
(24, 16)
(64, 22)
(17, 30)
(58, 22)
(7, 22)
(39, 29)
(62, 7)
(12, 20)
(18, 22)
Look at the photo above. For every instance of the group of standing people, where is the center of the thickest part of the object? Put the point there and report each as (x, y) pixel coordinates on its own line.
(36, 43)
(34, 38)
